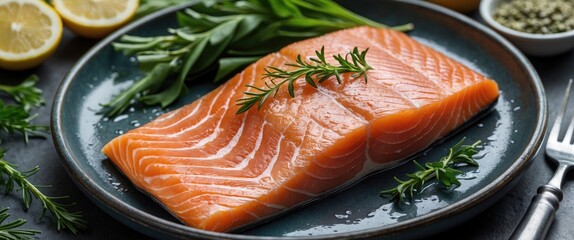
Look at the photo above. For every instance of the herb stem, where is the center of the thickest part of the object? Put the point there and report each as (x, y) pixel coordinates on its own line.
(11, 231)
(319, 69)
(444, 171)
(65, 220)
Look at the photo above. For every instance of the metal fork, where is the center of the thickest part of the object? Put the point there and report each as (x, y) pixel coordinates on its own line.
(542, 209)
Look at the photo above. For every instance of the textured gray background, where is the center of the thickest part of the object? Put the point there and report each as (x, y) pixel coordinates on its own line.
(496, 222)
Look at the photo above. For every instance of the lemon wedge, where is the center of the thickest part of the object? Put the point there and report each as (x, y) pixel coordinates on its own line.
(95, 18)
(30, 32)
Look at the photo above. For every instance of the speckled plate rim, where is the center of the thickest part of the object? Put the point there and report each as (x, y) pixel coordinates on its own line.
(154, 226)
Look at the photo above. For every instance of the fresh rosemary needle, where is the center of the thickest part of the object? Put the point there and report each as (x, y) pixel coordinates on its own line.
(17, 117)
(12, 230)
(25, 93)
(10, 177)
(318, 69)
(444, 171)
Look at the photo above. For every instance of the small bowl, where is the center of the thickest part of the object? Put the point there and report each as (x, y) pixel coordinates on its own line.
(540, 45)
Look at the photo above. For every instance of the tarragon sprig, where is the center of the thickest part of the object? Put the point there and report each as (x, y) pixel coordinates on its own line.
(444, 171)
(217, 38)
(12, 230)
(10, 177)
(318, 69)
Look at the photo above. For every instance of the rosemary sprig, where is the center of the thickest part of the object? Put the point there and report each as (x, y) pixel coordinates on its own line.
(318, 69)
(11, 230)
(444, 171)
(10, 177)
(222, 36)
(26, 93)
(15, 118)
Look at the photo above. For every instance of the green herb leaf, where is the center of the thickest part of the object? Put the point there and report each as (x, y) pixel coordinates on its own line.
(11, 230)
(10, 177)
(25, 93)
(444, 171)
(319, 69)
(15, 118)
(149, 6)
(228, 65)
(152, 81)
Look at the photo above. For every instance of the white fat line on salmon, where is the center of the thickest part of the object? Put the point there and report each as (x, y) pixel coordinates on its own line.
(200, 142)
(171, 115)
(433, 120)
(133, 164)
(204, 195)
(251, 213)
(205, 178)
(244, 192)
(349, 168)
(271, 205)
(124, 165)
(200, 197)
(166, 116)
(459, 112)
(429, 121)
(407, 142)
(272, 161)
(408, 62)
(371, 167)
(329, 95)
(310, 194)
(204, 119)
(376, 45)
(251, 155)
(220, 153)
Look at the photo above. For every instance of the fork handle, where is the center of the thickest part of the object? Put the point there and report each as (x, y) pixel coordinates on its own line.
(540, 214)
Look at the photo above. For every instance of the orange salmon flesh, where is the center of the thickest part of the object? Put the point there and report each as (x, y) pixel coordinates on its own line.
(218, 170)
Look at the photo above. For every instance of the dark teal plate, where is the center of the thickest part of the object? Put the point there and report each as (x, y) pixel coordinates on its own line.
(511, 135)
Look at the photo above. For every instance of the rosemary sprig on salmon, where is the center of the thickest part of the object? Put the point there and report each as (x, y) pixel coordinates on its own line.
(318, 69)
(443, 170)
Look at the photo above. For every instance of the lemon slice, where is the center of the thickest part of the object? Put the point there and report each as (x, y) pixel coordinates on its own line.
(95, 18)
(30, 31)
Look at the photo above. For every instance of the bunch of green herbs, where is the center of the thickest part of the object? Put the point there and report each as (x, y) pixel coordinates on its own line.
(223, 36)
(17, 118)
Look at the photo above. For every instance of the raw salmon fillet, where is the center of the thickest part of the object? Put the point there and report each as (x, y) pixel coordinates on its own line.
(218, 170)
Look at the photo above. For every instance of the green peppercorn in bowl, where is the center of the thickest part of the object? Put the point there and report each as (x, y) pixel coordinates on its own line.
(537, 27)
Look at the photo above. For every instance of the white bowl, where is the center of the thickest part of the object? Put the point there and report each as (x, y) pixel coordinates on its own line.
(531, 44)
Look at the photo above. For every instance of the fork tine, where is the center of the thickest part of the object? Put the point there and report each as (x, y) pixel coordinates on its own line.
(568, 135)
(558, 122)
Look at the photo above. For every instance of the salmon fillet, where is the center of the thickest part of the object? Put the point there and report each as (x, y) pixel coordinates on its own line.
(218, 170)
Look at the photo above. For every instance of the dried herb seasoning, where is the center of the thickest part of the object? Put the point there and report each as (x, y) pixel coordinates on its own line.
(536, 16)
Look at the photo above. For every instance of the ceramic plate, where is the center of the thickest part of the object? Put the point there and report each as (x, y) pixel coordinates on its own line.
(511, 135)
